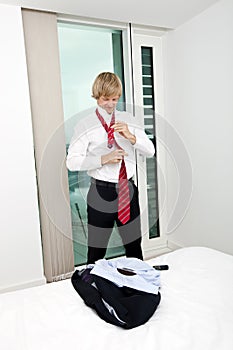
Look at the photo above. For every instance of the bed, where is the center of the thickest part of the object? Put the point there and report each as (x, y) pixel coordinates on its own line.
(195, 312)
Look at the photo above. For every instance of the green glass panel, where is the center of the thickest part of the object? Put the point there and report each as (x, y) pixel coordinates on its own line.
(85, 51)
(146, 70)
(148, 101)
(148, 111)
(147, 91)
(146, 60)
(147, 81)
(149, 123)
(146, 51)
(152, 197)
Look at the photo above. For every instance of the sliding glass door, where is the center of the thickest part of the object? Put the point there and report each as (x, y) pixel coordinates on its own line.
(86, 51)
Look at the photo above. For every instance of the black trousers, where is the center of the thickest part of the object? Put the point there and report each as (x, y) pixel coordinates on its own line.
(102, 204)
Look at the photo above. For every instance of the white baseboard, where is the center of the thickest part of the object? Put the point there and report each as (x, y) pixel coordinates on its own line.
(28, 284)
(173, 246)
(152, 253)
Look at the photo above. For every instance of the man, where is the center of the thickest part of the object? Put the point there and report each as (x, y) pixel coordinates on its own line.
(104, 144)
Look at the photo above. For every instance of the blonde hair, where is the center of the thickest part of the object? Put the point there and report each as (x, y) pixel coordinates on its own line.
(106, 84)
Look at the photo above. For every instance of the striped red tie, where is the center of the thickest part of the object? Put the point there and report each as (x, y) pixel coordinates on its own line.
(123, 193)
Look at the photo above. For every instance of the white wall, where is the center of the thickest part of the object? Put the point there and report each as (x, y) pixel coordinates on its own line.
(199, 104)
(20, 245)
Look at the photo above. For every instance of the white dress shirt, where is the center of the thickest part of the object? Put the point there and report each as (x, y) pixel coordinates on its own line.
(146, 278)
(89, 143)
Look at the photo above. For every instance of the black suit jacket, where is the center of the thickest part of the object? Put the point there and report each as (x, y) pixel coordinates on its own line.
(133, 307)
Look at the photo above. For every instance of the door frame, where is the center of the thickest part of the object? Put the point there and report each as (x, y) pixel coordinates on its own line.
(133, 36)
(143, 37)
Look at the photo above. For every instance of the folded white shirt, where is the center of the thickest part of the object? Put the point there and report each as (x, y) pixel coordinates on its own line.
(145, 277)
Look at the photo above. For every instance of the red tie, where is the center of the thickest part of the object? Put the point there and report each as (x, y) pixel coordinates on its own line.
(123, 194)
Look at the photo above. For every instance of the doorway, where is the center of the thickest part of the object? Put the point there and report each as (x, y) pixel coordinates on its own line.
(86, 51)
(136, 57)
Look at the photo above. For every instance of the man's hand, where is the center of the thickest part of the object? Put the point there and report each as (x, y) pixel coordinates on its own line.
(113, 157)
(123, 130)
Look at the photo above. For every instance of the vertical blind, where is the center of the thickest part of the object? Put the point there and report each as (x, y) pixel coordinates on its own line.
(40, 32)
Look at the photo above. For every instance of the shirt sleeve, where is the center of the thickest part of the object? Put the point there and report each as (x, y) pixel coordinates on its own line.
(78, 158)
(143, 144)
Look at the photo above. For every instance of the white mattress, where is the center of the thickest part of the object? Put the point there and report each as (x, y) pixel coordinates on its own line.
(195, 313)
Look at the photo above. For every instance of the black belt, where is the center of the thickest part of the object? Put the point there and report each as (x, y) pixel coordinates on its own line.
(106, 183)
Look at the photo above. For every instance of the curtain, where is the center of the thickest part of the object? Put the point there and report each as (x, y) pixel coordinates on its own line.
(42, 55)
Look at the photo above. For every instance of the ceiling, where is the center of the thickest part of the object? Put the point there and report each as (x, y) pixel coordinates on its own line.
(159, 13)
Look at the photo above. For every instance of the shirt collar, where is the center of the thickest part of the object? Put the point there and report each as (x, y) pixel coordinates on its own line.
(107, 117)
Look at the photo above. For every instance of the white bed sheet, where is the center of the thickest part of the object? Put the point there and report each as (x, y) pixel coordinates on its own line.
(195, 313)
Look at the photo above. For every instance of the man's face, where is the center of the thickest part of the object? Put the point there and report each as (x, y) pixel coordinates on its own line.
(108, 103)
